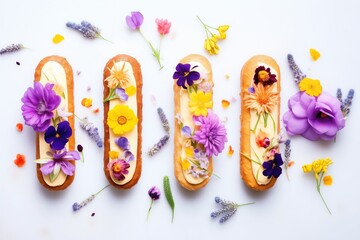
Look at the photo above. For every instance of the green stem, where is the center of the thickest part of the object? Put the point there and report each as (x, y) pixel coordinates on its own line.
(102, 189)
(99, 36)
(152, 201)
(207, 31)
(257, 122)
(248, 157)
(318, 184)
(240, 205)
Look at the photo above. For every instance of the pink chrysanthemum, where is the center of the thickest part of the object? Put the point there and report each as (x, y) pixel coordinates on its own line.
(212, 133)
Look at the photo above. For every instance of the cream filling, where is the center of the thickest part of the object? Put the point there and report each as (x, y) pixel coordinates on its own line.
(53, 72)
(188, 121)
(131, 136)
(256, 151)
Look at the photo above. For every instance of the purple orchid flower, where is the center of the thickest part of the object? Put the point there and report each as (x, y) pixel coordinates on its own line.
(135, 20)
(60, 160)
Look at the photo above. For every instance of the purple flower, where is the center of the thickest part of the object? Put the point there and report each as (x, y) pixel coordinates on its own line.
(264, 76)
(200, 156)
(154, 193)
(60, 160)
(314, 117)
(212, 134)
(135, 20)
(39, 104)
(272, 167)
(185, 75)
(119, 168)
(123, 143)
(186, 131)
(120, 92)
(59, 137)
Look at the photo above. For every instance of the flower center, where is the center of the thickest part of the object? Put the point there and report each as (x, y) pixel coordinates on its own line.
(41, 108)
(186, 74)
(57, 135)
(263, 75)
(116, 168)
(322, 115)
(122, 120)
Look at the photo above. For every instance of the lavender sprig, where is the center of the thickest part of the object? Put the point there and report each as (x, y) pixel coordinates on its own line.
(11, 48)
(298, 75)
(92, 131)
(87, 29)
(156, 148)
(346, 104)
(77, 206)
(164, 121)
(228, 207)
(287, 154)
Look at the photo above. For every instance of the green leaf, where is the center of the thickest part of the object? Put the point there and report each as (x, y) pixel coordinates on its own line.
(55, 173)
(112, 95)
(168, 195)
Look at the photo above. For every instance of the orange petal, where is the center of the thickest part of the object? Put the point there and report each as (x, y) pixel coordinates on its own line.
(96, 110)
(58, 38)
(314, 54)
(20, 160)
(86, 102)
(225, 103)
(19, 127)
(290, 164)
(230, 151)
(328, 180)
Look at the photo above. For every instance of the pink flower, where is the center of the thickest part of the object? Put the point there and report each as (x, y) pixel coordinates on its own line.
(163, 26)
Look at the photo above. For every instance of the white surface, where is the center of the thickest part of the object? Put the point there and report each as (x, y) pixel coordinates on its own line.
(290, 210)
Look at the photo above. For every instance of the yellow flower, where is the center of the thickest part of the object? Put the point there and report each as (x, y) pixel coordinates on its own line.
(113, 154)
(328, 180)
(118, 76)
(314, 54)
(130, 91)
(310, 86)
(200, 102)
(222, 31)
(320, 166)
(121, 119)
(307, 168)
(211, 46)
(189, 152)
(263, 99)
(185, 165)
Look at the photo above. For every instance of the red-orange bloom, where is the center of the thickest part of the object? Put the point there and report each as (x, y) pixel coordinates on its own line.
(20, 160)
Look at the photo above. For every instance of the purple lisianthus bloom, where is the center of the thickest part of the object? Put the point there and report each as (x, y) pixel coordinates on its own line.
(135, 20)
(39, 104)
(120, 92)
(57, 138)
(123, 143)
(60, 160)
(272, 167)
(185, 75)
(212, 133)
(154, 193)
(314, 117)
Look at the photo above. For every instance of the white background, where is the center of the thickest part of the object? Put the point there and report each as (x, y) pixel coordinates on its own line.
(290, 210)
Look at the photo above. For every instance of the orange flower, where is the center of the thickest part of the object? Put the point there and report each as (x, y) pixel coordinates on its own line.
(20, 160)
(263, 99)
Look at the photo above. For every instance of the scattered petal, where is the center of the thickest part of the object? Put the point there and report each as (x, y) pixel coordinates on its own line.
(20, 160)
(114, 154)
(230, 151)
(227, 76)
(314, 54)
(58, 38)
(96, 110)
(130, 91)
(225, 103)
(86, 102)
(19, 127)
(17, 63)
(328, 180)
(93, 214)
(290, 164)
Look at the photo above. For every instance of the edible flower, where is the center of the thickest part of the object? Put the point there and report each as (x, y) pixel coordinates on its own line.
(20, 160)
(185, 74)
(57, 138)
(58, 38)
(135, 20)
(39, 103)
(315, 54)
(87, 29)
(310, 86)
(119, 76)
(118, 169)
(319, 167)
(211, 133)
(19, 127)
(272, 167)
(121, 119)
(200, 102)
(264, 76)
(59, 160)
(262, 139)
(263, 100)
(227, 207)
(154, 193)
(212, 37)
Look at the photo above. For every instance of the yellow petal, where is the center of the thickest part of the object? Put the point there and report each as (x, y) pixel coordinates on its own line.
(114, 154)
(130, 91)
(185, 164)
(225, 103)
(58, 38)
(230, 151)
(314, 54)
(307, 168)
